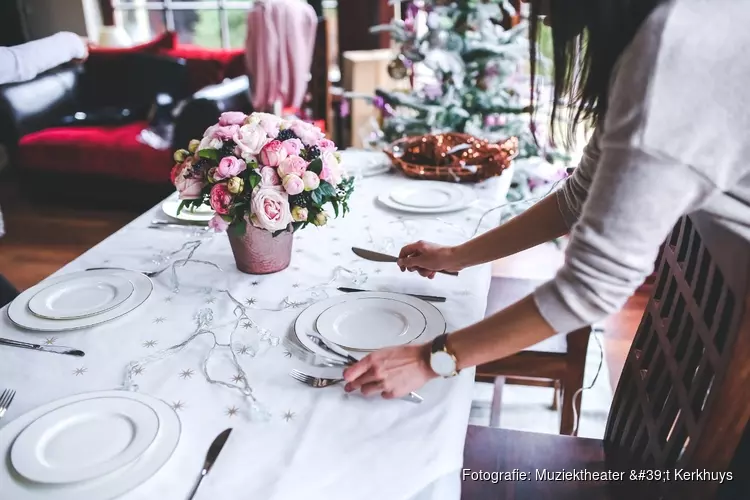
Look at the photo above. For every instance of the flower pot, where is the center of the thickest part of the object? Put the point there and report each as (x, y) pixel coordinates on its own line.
(259, 252)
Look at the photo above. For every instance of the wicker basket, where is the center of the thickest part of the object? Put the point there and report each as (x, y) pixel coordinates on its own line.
(452, 157)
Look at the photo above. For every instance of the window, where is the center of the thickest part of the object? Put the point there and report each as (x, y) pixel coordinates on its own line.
(206, 23)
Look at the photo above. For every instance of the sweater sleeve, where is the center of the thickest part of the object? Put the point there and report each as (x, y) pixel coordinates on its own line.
(24, 62)
(572, 195)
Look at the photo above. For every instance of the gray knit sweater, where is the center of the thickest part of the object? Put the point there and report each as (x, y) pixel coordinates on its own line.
(676, 139)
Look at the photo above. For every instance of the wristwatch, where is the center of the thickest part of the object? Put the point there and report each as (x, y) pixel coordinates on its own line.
(442, 361)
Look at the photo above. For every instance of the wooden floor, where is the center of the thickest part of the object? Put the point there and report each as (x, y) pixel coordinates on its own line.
(40, 239)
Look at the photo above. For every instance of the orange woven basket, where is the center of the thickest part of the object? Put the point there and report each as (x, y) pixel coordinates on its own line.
(452, 157)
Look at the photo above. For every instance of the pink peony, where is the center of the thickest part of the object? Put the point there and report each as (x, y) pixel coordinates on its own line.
(326, 145)
(218, 224)
(309, 134)
(311, 180)
(229, 166)
(270, 209)
(189, 188)
(332, 171)
(232, 118)
(250, 140)
(269, 177)
(272, 154)
(293, 184)
(225, 133)
(293, 146)
(292, 165)
(221, 199)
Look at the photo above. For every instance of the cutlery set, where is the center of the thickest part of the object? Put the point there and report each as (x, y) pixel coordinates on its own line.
(6, 398)
(211, 456)
(55, 349)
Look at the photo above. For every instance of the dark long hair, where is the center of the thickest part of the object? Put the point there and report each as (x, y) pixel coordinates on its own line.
(588, 37)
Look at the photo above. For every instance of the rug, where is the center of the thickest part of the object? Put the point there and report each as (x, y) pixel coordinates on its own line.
(530, 408)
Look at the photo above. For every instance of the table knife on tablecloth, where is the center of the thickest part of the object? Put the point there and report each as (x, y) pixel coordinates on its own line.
(55, 349)
(382, 257)
(211, 456)
(428, 298)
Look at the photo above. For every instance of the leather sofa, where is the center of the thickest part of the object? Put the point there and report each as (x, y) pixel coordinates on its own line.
(73, 133)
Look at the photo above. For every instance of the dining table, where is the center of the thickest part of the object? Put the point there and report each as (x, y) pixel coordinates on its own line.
(291, 441)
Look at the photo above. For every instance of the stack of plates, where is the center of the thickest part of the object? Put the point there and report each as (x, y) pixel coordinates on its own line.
(79, 300)
(428, 197)
(200, 215)
(368, 321)
(93, 446)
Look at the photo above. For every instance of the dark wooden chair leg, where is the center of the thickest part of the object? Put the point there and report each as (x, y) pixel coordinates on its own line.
(497, 401)
(556, 396)
(578, 342)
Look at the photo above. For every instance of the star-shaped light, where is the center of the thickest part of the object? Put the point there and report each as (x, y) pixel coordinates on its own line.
(299, 250)
(150, 343)
(160, 319)
(247, 325)
(295, 268)
(251, 301)
(50, 340)
(243, 350)
(210, 300)
(469, 219)
(137, 370)
(378, 271)
(238, 378)
(289, 415)
(186, 374)
(288, 354)
(168, 299)
(255, 283)
(337, 254)
(232, 411)
(80, 371)
(296, 285)
(178, 405)
(208, 290)
(106, 261)
(335, 238)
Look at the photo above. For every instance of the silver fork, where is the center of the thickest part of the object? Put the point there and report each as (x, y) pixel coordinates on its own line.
(150, 274)
(6, 398)
(316, 382)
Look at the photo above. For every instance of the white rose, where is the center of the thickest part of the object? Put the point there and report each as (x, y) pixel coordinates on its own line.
(268, 122)
(250, 140)
(270, 209)
(335, 170)
(210, 143)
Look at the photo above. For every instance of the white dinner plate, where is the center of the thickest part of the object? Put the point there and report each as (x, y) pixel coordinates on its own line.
(305, 322)
(21, 316)
(204, 213)
(365, 163)
(114, 485)
(84, 440)
(368, 324)
(428, 197)
(81, 297)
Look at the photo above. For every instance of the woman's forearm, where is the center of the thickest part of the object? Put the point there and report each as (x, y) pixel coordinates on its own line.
(500, 335)
(541, 223)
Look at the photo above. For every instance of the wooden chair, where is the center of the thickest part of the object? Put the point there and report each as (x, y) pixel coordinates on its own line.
(683, 400)
(558, 362)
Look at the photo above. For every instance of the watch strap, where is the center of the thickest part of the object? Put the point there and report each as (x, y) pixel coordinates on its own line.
(439, 343)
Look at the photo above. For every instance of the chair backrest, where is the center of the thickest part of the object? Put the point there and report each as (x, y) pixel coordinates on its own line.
(683, 399)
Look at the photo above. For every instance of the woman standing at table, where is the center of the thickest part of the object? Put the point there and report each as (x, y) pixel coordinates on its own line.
(665, 82)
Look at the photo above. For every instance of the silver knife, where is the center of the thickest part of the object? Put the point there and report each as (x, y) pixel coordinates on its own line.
(350, 360)
(213, 453)
(382, 257)
(428, 298)
(56, 349)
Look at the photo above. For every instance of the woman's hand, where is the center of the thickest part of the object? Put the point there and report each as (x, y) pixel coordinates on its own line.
(428, 258)
(393, 372)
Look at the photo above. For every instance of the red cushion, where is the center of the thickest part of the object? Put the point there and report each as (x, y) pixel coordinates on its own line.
(165, 41)
(111, 151)
(206, 66)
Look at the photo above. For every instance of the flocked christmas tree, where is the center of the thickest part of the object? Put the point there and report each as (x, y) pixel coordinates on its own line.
(468, 73)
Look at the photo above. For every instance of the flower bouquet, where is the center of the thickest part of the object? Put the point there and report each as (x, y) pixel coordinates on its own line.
(265, 177)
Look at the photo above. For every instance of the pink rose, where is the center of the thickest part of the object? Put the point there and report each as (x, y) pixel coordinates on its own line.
(225, 133)
(189, 188)
(270, 209)
(326, 145)
(332, 171)
(269, 177)
(218, 224)
(250, 140)
(292, 165)
(272, 154)
(232, 118)
(293, 184)
(311, 180)
(293, 146)
(229, 166)
(309, 134)
(221, 199)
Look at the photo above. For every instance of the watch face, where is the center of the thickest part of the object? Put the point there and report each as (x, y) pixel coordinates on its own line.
(443, 364)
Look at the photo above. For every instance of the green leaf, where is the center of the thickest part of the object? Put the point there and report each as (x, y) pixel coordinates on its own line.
(296, 226)
(211, 154)
(335, 204)
(239, 228)
(182, 205)
(317, 196)
(316, 166)
(254, 179)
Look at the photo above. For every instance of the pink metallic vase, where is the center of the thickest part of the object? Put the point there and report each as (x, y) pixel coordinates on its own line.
(258, 252)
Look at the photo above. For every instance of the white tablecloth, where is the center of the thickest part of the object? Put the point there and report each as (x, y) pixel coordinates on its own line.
(319, 443)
